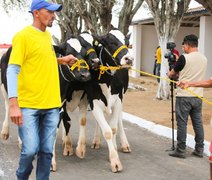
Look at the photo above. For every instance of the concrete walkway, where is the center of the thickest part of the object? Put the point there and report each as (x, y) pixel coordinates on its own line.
(149, 159)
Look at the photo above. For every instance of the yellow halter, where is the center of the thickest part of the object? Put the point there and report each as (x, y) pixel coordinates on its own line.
(119, 50)
(78, 65)
(90, 51)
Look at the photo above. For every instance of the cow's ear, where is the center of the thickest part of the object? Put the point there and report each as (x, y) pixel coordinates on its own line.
(56, 48)
(128, 36)
(99, 39)
(127, 39)
(96, 40)
(60, 49)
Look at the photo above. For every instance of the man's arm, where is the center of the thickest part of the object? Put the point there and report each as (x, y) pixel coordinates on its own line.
(177, 67)
(12, 81)
(203, 83)
(67, 60)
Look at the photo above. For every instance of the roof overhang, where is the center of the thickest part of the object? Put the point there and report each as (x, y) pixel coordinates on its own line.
(190, 19)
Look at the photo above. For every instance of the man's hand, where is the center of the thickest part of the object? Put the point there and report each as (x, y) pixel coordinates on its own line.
(183, 84)
(15, 112)
(173, 74)
(67, 60)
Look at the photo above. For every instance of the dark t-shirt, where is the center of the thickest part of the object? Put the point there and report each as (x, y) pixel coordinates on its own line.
(180, 64)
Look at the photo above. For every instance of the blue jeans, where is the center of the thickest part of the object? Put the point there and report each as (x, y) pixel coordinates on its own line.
(157, 71)
(38, 134)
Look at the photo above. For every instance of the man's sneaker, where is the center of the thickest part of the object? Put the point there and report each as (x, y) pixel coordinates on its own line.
(198, 153)
(177, 154)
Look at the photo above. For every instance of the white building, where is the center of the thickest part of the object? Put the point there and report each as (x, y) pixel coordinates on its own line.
(196, 21)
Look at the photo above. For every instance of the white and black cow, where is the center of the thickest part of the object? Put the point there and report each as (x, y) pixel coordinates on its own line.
(109, 90)
(105, 94)
(74, 95)
(4, 64)
(118, 52)
(78, 99)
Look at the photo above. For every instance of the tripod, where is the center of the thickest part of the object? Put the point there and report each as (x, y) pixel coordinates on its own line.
(172, 115)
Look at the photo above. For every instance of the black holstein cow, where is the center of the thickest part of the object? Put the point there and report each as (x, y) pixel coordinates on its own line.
(109, 90)
(117, 82)
(73, 92)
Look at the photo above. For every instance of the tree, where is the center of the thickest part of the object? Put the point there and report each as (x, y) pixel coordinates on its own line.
(206, 4)
(93, 15)
(97, 15)
(102, 10)
(126, 14)
(167, 16)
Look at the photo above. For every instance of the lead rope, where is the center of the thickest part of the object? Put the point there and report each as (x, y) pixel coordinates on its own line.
(103, 69)
(169, 80)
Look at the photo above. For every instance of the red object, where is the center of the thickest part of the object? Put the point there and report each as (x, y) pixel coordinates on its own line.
(175, 51)
(210, 159)
(5, 46)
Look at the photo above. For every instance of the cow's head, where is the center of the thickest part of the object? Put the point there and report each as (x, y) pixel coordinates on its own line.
(86, 41)
(117, 45)
(80, 72)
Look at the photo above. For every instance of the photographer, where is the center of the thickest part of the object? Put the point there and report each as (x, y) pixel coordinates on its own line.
(190, 67)
(206, 84)
(173, 54)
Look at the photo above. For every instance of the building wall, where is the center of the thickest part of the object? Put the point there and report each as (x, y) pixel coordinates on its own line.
(136, 49)
(205, 41)
(149, 42)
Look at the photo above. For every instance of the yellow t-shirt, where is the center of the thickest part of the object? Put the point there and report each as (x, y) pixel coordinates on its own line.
(38, 80)
(158, 55)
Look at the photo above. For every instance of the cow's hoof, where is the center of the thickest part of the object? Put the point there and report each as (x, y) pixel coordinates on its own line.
(126, 149)
(68, 151)
(116, 165)
(53, 167)
(95, 146)
(80, 151)
(19, 145)
(4, 136)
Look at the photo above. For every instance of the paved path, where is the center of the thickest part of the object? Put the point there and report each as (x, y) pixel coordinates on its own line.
(149, 159)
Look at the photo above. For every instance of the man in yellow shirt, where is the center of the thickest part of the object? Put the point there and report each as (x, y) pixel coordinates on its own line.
(158, 62)
(34, 90)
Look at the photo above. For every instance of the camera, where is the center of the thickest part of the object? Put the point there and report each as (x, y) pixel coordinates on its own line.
(170, 55)
(170, 45)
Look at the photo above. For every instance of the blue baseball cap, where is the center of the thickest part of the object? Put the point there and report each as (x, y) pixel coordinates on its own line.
(46, 4)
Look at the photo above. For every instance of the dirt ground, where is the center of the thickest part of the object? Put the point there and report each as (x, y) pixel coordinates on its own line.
(142, 103)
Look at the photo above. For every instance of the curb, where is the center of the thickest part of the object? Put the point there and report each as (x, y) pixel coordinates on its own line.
(162, 130)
